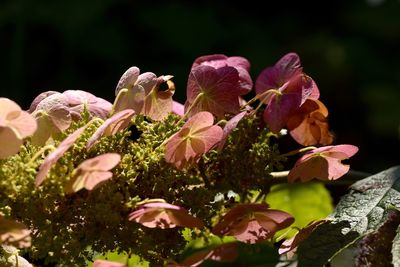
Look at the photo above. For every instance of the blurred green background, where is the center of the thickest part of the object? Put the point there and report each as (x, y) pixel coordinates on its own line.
(351, 49)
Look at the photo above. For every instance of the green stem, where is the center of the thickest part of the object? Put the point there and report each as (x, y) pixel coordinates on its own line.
(39, 153)
(298, 151)
(196, 100)
(121, 92)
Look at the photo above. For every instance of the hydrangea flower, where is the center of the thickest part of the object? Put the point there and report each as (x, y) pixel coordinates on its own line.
(15, 125)
(197, 136)
(54, 156)
(284, 88)
(142, 94)
(309, 125)
(241, 64)
(116, 123)
(92, 172)
(55, 111)
(14, 233)
(252, 223)
(216, 90)
(324, 163)
(164, 215)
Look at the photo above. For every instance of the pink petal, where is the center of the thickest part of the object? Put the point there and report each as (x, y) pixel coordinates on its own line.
(131, 99)
(164, 215)
(148, 81)
(118, 122)
(14, 233)
(220, 90)
(229, 127)
(315, 167)
(103, 263)
(8, 107)
(104, 162)
(24, 123)
(78, 100)
(178, 108)
(53, 157)
(128, 79)
(39, 99)
(10, 142)
(60, 117)
(97, 177)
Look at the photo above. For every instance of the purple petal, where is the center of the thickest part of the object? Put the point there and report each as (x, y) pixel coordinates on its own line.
(128, 79)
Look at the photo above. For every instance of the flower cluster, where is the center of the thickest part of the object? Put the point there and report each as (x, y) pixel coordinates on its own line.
(149, 175)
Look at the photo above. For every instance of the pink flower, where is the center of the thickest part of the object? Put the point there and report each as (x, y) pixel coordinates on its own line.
(164, 215)
(222, 253)
(15, 125)
(216, 90)
(197, 136)
(241, 64)
(103, 263)
(284, 88)
(54, 156)
(323, 163)
(79, 100)
(309, 124)
(142, 94)
(55, 111)
(290, 245)
(14, 233)
(92, 172)
(252, 223)
(116, 123)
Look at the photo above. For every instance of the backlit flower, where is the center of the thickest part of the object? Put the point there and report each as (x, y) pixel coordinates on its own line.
(197, 136)
(15, 125)
(164, 215)
(309, 124)
(92, 172)
(284, 88)
(252, 223)
(14, 233)
(104, 263)
(324, 163)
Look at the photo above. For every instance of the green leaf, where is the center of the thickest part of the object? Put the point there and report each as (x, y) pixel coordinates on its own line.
(358, 213)
(396, 249)
(304, 201)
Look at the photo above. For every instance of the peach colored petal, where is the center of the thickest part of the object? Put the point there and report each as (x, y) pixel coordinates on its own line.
(7, 106)
(53, 157)
(24, 123)
(10, 142)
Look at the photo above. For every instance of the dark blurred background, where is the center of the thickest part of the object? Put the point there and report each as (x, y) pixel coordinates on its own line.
(350, 48)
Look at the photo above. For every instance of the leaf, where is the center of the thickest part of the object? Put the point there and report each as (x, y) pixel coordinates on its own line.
(358, 213)
(305, 202)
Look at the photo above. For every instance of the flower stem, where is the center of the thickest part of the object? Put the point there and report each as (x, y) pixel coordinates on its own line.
(196, 100)
(39, 153)
(298, 151)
